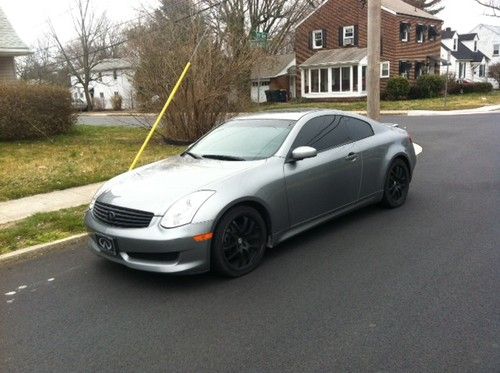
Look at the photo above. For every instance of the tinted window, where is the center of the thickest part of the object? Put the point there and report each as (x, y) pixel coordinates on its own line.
(323, 133)
(357, 129)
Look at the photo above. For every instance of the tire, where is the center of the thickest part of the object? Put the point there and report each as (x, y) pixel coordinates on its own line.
(239, 242)
(397, 184)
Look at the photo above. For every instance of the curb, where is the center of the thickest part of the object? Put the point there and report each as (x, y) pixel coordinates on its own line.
(41, 248)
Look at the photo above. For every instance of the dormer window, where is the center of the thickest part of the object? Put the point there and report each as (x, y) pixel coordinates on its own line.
(455, 44)
(348, 35)
(404, 31)
(496, 49)
(475, 45)
(317, 39)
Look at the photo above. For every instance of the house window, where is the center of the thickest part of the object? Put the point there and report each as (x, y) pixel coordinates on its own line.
(355, 78)
(404, 69)
(496, 49)
(385, 69)
(455, 44)
(404, 31)
(461, 70)
(346, 79)
(336, 79)
(482, 71)
(99, 77)
(317, 39)
(475, 45)
(315, 81)
(115, 74)
(420, 33)
(76, 95)
(348, 35)
(306, 80)
(101, 94)
(116, 93)
(419, 69)
(323, 81)
(363, 78)
(432, 33)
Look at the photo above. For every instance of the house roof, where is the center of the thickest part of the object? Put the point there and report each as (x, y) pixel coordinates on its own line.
(495, 29)
(400, 7)
(336, 57)
(467, 37)
(465, 54)
(447, 33)
(272, 66)
(10, 43)
(109, 64)
(394, 6)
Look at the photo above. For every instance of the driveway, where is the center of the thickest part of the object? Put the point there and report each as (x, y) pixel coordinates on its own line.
(411, 289)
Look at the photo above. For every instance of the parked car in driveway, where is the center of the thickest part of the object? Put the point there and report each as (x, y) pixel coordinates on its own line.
(249, 184)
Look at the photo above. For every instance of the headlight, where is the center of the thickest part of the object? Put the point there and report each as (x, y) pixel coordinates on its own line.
(183, 211)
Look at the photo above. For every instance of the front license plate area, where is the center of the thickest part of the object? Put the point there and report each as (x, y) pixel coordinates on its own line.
(107, 245)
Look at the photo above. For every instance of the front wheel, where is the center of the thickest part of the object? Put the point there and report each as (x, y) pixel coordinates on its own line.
(239, 243)
(397, 184)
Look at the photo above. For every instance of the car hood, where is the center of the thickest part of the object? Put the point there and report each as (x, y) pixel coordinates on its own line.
(156, 186)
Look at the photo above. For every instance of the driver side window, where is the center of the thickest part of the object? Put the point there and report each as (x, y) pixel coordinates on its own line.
(323, 133)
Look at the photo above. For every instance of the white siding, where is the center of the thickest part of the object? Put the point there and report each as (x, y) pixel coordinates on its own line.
(488, 38)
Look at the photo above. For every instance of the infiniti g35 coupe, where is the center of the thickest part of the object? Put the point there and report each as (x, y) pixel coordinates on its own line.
(248, 184)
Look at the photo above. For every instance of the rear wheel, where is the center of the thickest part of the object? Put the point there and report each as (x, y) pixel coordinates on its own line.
(239, 243)
(397, 184)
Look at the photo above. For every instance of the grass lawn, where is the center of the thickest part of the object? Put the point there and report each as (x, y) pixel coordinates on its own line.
(455, 102)
(86, 155)
(41, 228)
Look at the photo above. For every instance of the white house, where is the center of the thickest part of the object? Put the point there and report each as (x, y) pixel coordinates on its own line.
(489, 44)
(111, 77)
(466, 60)
(10, 47)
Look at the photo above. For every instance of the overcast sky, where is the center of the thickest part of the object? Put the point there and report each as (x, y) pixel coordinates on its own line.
(29, 17)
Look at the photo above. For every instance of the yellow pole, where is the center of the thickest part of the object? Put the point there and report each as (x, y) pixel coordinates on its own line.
(162, 113)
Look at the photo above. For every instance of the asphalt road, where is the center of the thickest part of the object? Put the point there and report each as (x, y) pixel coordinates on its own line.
(411, 289)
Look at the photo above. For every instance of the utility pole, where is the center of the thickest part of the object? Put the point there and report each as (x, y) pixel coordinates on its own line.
(373, 78)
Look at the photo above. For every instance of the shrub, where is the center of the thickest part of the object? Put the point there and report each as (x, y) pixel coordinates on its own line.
(455, 88)
(397, 88)
(429, 86)
(116, 102)
(30, 111)
(98, 104)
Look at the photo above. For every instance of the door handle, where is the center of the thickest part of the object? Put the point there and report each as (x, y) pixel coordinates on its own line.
(351, 157)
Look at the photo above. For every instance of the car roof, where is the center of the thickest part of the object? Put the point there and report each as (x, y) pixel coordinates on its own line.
(287, 114)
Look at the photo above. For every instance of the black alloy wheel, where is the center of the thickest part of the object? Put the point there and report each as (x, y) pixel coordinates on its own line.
(239, 242)
(397, 184)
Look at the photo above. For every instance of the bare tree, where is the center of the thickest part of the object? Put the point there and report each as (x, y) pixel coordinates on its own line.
(161, 47)
(92, 45)
(39, 67)
(236, 22)
(494, 72)
(430, 6)
(492, 5)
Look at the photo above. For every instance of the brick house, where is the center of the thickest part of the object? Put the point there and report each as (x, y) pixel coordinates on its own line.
(11, 46)
(273, 72)
(331, 47)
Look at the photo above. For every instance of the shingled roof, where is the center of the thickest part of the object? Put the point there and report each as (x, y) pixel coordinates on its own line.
(328, 57)
(272, 66)
(10, 43)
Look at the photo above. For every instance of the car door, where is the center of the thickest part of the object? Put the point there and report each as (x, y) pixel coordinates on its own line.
(316, 186)
(371, 154)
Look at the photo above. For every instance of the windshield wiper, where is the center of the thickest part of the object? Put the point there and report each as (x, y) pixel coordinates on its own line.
(223, 157)
(195, 156)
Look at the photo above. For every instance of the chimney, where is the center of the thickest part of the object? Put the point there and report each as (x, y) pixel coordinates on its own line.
(448, 29)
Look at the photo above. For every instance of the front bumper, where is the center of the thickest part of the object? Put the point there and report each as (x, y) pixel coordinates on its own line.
(139, 248)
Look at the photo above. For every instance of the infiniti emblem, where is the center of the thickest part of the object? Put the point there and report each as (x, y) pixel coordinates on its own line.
(111, 215)
(105, 244)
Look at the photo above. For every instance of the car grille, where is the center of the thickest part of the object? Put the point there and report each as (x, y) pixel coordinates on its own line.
(121, 216)
(155, 257)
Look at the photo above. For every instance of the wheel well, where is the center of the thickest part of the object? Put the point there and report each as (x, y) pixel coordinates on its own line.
(406, 161)
(260, 209)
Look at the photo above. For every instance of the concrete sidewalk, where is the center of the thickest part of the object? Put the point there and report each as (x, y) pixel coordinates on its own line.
(24, 207)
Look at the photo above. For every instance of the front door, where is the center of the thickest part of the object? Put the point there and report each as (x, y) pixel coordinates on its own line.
(327, 182)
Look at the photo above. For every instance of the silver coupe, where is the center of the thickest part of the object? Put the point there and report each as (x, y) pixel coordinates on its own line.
(248, 184)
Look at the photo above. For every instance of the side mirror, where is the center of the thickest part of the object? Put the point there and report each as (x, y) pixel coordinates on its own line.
(303, 152)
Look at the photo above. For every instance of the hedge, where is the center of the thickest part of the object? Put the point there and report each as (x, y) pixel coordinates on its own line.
(29, 111)
(429, 86)
(397, 88)
(458, 88)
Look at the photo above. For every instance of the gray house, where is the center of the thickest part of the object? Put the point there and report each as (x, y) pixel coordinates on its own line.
(10, 47)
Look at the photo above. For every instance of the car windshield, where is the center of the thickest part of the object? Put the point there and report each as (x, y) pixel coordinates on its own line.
(243, 140)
